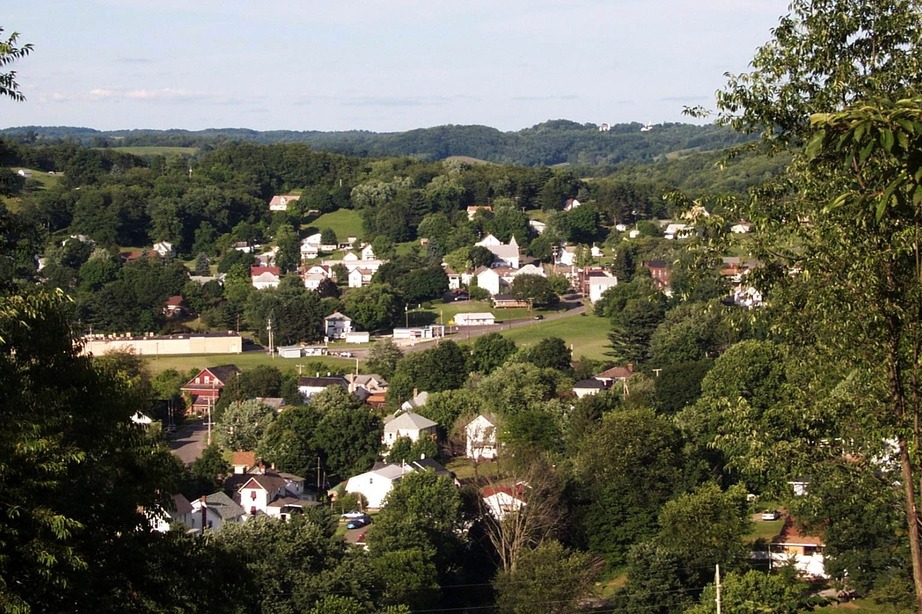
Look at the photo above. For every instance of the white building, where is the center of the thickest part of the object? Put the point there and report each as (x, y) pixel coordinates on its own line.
(280, 202)
(475, 319)
(598, 285)
(219, 510)
(501, 500)
(480, 434)
(337, 325)
(407, 424)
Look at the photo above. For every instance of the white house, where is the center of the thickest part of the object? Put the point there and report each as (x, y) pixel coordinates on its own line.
(501, 500)
(260, 490)
(164, 248)
(598, 285)
(377, 483)
(539, 227)
(677, 231)
(480, 434)
(529, 269)
(280, 202)
(358, 337)
(588, 387)
(489, 280)
(368, 253)
(337, 325)
(180, 512)
(265, 276)
(475, 319)
(219, 509)
(309, 386)
(407, 424)
(488, 241)
(505, 255)
(805, 552)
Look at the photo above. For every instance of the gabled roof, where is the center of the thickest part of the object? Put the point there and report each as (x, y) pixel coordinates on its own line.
(224, 372)
(224, 506)
(241, 458)
(338, 316)
(182, 504)
(267, 482)
(790, 536)
(516, 491)
(256, 270)
(409, 421)
(321, 382)
(430, 465)
(616, 373)
(589, 384)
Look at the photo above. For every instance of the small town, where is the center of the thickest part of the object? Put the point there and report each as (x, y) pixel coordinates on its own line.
(371, 354)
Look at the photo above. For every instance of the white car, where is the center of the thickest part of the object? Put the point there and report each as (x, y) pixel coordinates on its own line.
(771, 515)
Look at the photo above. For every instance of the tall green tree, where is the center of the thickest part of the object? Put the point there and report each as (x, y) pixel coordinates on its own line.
(76, 472)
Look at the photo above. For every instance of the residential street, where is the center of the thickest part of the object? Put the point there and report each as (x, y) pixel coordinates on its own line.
(188, 442)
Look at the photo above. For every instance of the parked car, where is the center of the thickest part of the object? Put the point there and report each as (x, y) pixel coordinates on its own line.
(461, 297)
(771, 515)
(346, 355)
(358, 523)
(352, 515)
(539, 317)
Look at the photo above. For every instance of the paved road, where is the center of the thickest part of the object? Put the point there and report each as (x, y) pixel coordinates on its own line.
(189, 441)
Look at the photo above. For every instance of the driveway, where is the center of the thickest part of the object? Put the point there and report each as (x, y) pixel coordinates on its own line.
(188, 442)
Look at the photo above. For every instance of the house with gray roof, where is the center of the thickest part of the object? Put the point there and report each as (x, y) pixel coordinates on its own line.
(407, 424)
(213, 511)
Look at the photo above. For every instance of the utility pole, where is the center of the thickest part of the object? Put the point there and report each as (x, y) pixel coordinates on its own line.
(717, 583)
(269, 328)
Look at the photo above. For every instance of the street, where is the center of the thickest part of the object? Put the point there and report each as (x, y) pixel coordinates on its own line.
(188, 442)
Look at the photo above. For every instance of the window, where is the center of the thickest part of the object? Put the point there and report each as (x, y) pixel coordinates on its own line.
(253, 495)
(253, 510)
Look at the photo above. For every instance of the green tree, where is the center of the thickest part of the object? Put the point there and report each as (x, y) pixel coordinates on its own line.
(550, 578)
(288, 256)
(490, 351)
(328, 237)
(550, 353)
(422, 512)
(375, 307)
(536, 289)
(628, 448)
(243, 424)
(349, 441)
(755, 591)
(383, 358)
(706, 527)
(76, 474)
(9, 53)
(443, 367)
(654, 583)
(288, 442)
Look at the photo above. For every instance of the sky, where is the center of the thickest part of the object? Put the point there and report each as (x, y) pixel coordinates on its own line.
(383, 66)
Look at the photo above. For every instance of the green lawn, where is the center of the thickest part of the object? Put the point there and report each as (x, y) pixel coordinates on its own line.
(44, 180)
(344, 222)
(247, 360)
(588, 335)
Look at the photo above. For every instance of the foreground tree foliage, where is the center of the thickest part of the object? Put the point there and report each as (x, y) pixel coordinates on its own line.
(76, 472)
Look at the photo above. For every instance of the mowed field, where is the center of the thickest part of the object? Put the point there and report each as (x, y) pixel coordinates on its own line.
(586, 334)
(344, 222)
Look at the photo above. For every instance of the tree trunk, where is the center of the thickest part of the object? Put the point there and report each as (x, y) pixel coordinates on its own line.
(912, 520)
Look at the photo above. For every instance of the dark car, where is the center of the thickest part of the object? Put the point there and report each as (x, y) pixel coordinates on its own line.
(539, 317)
(358, 523)
(461, 297)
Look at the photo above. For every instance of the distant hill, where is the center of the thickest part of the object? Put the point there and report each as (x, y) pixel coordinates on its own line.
(549, 143)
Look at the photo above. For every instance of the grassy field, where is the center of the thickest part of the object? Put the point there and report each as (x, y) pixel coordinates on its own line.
(158, 151)
(44, 180)
(446, 312)
(344, 222)
(248, 360)
(587, 335)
